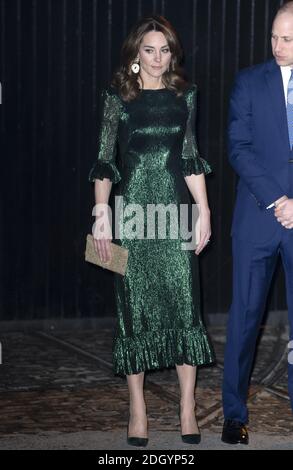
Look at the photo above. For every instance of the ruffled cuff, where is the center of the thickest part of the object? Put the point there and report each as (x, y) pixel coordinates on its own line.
(102, 170)
(195, 166)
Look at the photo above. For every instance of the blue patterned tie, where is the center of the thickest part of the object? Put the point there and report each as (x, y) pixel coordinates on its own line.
(290, 109)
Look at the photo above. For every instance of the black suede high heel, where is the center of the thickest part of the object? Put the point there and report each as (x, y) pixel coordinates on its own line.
(136, 441)
(190, 438)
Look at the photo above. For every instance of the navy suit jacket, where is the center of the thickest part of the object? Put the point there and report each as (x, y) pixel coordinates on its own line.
(259, 150)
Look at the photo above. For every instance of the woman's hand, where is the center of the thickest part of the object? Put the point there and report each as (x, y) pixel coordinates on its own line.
(102, 233)
(205, 230)
(103, 249)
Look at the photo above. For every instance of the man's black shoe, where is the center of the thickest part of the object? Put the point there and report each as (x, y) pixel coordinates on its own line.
(234, 432)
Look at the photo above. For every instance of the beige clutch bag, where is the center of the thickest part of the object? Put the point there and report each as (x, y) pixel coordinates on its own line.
(118, 262)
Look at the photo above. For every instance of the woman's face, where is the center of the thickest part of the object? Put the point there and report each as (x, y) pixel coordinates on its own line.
(154, 55)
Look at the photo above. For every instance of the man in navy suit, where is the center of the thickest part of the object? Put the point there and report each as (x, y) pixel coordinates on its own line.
(260, 151)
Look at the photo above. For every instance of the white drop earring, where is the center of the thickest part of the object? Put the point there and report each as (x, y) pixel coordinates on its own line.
(135, 66)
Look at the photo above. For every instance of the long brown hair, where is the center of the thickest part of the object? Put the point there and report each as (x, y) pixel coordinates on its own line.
(125, 81)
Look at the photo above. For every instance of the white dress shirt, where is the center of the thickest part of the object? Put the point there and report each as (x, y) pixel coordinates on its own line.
(286, 74)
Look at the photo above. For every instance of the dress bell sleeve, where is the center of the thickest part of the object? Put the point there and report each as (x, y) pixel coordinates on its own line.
(105, 164)
(192, 163)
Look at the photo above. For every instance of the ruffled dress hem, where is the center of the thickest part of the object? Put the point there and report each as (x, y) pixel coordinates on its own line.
(132, 355)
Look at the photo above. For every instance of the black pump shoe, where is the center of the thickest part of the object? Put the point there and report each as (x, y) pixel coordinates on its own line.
(190, 438)
(136, 441)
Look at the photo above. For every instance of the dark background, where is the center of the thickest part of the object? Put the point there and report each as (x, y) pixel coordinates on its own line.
(56, 55)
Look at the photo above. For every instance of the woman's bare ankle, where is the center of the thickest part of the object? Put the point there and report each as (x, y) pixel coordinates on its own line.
(138, 424)
(188, 419)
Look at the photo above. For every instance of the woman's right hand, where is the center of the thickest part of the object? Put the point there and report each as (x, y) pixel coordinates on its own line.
(102, 233)
(103, 249)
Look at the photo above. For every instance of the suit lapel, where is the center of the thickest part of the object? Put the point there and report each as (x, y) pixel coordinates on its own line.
(276, 91)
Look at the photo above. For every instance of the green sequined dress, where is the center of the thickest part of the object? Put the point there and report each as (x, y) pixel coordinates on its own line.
(148, 146)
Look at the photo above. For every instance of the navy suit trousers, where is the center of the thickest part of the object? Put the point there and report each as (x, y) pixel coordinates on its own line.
(253, 268)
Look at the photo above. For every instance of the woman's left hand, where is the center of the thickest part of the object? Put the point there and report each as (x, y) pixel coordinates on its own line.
(205, 230)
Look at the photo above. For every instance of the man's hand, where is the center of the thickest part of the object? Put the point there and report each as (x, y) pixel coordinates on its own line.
(284, 212)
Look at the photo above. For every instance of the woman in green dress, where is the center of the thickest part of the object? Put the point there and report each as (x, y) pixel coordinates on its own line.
(147, 144)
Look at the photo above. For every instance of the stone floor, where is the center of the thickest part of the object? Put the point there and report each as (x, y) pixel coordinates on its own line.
(60, 383)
